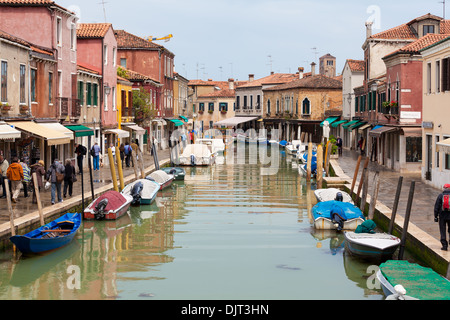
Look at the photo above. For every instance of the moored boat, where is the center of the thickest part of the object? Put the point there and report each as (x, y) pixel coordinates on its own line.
(109, 206)
(295, 146)
(142, 191)
(197, 155)
(162, 178)
(53, 235)
(336, 215)
(178, 173)
(373, 246)
(330, 194)
(419, 282)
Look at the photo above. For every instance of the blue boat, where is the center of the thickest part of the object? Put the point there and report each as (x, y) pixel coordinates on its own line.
(283, 143)
(336, 215)
(51, 236)
(304, 157)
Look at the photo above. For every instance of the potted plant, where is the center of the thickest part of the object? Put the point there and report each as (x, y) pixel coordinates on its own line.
(23, 108)
(6, 107)
(210, 111)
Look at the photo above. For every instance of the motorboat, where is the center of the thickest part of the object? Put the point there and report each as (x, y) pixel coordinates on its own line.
(374, 246)
(197, 155)
(330, 194)
(336, 215)
(109, 206)
(302, 170)
(161, 177)
(295, 146)
(178, 173)
(142, 191)
(216, 145)
(303, 156)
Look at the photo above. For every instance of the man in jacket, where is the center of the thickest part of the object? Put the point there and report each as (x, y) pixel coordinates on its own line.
(442, 214)
(55, 168)
(95, 152)
(15, 176)
(4, 164)
(81, 151)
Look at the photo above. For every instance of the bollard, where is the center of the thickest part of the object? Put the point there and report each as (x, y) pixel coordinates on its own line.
(38, 198)
(319, 169)
(113, 169)
(405, 225)
(394, 208)
(119, 168)
(366, 164)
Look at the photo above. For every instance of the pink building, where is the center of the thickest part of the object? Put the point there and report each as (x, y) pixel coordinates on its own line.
(97, 48)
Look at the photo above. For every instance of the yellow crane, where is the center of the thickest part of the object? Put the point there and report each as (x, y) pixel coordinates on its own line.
(166, 38)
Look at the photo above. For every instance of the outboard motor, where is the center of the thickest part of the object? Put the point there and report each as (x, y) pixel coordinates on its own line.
(99, 211)
(173, 171)
(192, 160)
(339, 197)
(338, 218)
(136, 192)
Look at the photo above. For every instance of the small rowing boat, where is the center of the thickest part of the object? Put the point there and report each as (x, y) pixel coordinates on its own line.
(142, 191)
(330, 194)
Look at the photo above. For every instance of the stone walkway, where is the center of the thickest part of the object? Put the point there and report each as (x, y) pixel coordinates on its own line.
(422, 210)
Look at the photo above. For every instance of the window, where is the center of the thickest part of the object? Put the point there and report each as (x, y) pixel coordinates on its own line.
(445, 74)
(238, 102)
(59, 31)
(114, 56)
(123, 62)
(258, 102)
(251, 102)
(446, 156)
(268, 106)
(22, 83)
(428, 77)
(81, 92)
(329, 62)
(413, 149)
(438, 76)
(88, 94)
(437, 153)
(4, 81)
(50, 88)
(223, 106)
(245, 102)
(105, 54)
(278, 106)
(95, 93)
(114, 98)
(73, 36)
(33, 85)
(211, 106)
(201, 106)
(428, 29)
(356, 104)
(306, 106)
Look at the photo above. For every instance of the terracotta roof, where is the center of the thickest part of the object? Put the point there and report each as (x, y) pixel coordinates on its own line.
(89, 67)
(86, 69)
(219, 94)
(419, 44)
(276, 78)
(445, 26)
(136, 76)
(26, 2)
(11, 38)
(92, 30)
(317, 82)
(356, 65)
(223, 85)
(126, 40)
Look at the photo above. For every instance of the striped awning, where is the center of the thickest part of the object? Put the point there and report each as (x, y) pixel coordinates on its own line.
(8, 132)
(58, 127)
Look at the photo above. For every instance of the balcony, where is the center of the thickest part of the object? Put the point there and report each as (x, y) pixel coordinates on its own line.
(68, 107)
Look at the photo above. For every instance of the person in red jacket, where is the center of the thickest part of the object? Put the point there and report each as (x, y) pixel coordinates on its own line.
(442, 214)
(15, 176)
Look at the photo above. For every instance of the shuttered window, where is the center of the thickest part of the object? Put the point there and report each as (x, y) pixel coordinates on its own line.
(446, 74)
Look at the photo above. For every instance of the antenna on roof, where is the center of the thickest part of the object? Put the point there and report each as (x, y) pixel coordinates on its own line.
(443, 4)
(104, 9)
(270, 63)
(315, 53)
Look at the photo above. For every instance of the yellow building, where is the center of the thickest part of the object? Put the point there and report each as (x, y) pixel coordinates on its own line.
(124, 101)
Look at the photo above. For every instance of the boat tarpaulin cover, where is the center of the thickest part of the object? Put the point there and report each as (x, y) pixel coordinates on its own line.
(115, 200)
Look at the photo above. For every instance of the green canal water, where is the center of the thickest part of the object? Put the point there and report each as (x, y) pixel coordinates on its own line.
(240, 229)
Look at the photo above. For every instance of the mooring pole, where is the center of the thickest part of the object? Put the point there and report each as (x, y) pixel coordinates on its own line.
(355, 175)
(309, 163)
(405, 225)
(374, 196)
(394, 208)
(319, 173)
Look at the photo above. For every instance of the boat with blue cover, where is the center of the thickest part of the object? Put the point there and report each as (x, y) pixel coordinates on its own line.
(53, 235)
(336, 215)
(177, 172)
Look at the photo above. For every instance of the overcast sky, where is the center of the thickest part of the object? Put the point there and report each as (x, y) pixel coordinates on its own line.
(221, 39)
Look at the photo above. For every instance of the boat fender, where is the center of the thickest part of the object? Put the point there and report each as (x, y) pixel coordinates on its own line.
(99, 211)
(399, 294)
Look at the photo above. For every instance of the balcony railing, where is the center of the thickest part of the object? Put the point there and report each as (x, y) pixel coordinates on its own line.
(68, 107)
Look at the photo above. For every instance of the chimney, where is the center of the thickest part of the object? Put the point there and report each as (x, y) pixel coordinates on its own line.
(251, 77)
(313, 69)
(271, 72)
(209, 79)
(300, 72)
(369, 29)
(231, 84)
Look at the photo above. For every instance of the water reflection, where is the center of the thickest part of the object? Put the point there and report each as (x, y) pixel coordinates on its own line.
(235, 230)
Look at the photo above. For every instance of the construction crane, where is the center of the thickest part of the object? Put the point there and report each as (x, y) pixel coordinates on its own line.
(166, 38)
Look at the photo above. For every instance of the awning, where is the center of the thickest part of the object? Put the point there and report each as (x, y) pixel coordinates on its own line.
(376, 127)
(330, 120)
(337, 123)
(412, 132)
(81, 131)
(184, 118)
(348, 124)
(383, 129)
(364, 127)
(176, 122)
(119, 132)
(58, 127)
(232, 122)
(357, 125)
(53, 137)
(134, 127)
(8, 132)
(443, 146)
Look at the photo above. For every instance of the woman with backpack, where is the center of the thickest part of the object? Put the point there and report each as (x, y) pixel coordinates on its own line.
(55, 175)
(26, 177)
(69, 172)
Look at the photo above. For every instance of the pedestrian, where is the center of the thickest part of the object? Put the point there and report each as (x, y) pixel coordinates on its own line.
(15, 176)
(39, 169)
(26, 177)
(4, 164)
(69, 172)
(95, 153)
(127, 151)
(113, 151)
(134, 146)
(442, 214)
(80, 151)
(361, 145)
(122, 153)
(55, 175)
(339, 145)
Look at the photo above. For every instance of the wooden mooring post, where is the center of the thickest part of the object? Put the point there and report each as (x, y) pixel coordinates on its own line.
(374, 195)
(38, 198)
(319, 174)
(10, 208)
(405, 225)
(120, 169)
(394, 208)
(308, 162)
(365, 189)
(355, 175)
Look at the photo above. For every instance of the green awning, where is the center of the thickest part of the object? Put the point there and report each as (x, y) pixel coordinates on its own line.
(336, 124)
(81, 131)
(184, 118)
(357, 125)
(348, 124)
(176, 122)
(330, 120)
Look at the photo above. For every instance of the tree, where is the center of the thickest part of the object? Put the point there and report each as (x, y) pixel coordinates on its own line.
(144, 110)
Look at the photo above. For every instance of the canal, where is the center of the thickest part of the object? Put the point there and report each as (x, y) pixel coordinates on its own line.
(239, 229)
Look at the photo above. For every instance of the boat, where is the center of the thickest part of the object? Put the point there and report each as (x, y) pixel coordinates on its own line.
(330, 194)
(295, 147)
(142, 191)
(197, 155)
(178, 173)
(216, 145)
(283, 143)
(302, 170)
(303, 156)
(373, 246)
(53, 235)
(348, 218)
(419, 282)
(109, 206)
(161, 177)
(241, 138)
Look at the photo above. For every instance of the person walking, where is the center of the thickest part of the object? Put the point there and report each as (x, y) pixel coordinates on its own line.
(26, 177)
(122, 153)
(4, 164)
(55, 175)
(134, 146)
(80, 151)
(127, 151)
(442, 214)
(339, 145)
(15, 176)
(69, 172)
(95, 153)
(39, 169)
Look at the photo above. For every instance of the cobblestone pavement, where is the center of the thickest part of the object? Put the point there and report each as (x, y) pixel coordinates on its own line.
(422, 210)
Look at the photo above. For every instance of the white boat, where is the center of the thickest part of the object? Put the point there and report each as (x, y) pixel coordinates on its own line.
(241, 138)
(330, 194)
(295, 146)
(216, 145)
(325, 217)
(197, 155)
(143, 191)
(161, 177)
(374, 246)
